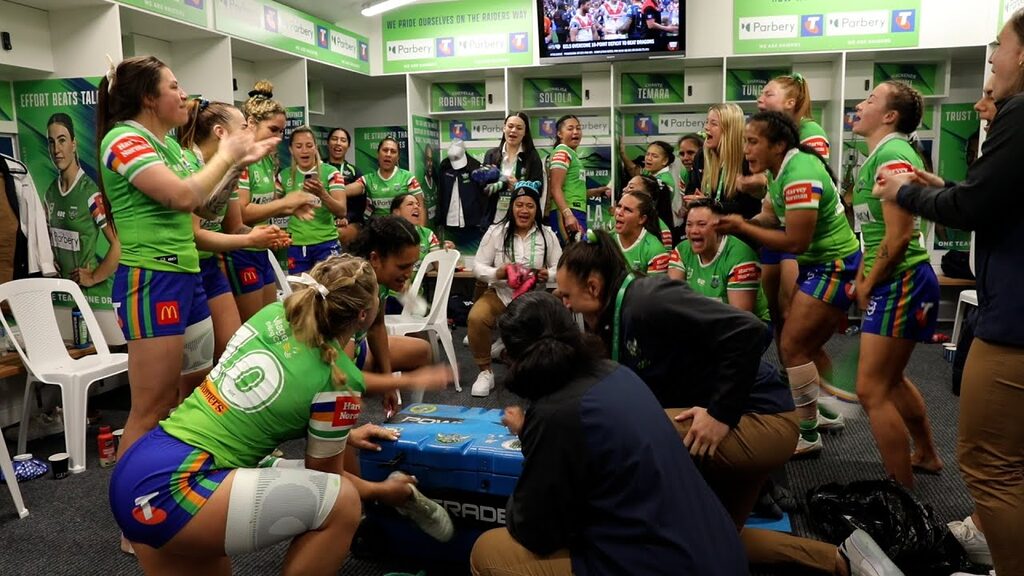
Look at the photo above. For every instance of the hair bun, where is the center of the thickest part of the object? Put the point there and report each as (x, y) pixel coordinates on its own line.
(262, 89)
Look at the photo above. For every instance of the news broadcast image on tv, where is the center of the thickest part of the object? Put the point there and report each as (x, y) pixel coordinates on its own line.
(603, 29)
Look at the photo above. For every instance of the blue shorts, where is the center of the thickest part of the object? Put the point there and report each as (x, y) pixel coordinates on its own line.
(152, 303)
(555, 221)
(771, 257)
(248, 270)
(362, 350)
(907, 306)
(214, 281)
(303, 258)
(159, 485)
(831, 282)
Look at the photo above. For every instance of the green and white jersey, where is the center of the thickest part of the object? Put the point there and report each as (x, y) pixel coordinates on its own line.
(428, 242)
(813, 135)
(152, 236)
(666, 234)
(734, 267)
(803, 183)
(267, 388)
(646, 254)
(195, 163)
(894, 153)
(664, 175)
(381, 191)
(77, 219)
(574, 187)
(258, 180)
(321, 228)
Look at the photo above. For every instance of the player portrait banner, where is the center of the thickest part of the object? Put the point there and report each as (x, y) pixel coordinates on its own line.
(959, 129)
(191, 11)
(426, 145)
(458, 97)
(278, 26)
(57, 140)
(294, 116)
(652, 89)
(366, 140)
(461, 35)
(921, 77)
(322, 133)
(552, 92)
(820, 25)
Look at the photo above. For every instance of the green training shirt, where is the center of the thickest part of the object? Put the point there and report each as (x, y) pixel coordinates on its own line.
(734, 267)
(321, 228)
(258, 180)
(267, 388)
(813, 135)
(152, 236)
(647, 254)
(574, 187)
(381, 191)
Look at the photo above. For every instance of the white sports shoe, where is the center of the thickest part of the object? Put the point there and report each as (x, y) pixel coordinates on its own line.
(866, 557)
(465, 341)
(484, 384)
(973, 541)
(430, 516)
(496, 349)
(806, 448)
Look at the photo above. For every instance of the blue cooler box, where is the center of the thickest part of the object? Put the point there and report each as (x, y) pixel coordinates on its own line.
(463, 458)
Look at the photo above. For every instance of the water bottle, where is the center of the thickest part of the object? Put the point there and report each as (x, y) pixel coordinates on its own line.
(79, 329)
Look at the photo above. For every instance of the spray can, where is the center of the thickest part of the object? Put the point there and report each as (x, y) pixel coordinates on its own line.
(80, 331)
(107, 449)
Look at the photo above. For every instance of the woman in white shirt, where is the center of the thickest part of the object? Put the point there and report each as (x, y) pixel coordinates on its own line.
(514, 255)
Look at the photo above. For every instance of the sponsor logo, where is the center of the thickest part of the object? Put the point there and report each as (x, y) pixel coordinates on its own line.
(856, 23)
(517, 42)
(904, 20)
(249, 276)
(799, 193)
(167, 313)
(409, 419)
(452, 438)
(170, 258)
(513, 444)
(269, 18)
(895, 167)
(921, 314)
(291, 263)
(346, 411)
(144, 513)
(322, 37)
(747, 272)
(764, 27)
(412, 49)
(129, 148)
(547, 127)
(812, 25)
(364, 51)
(458, 129)
(477, 512)
(715, 282)
(445, 47)
(423, 409)
(209, 393)
(195, 3)
(644, 125)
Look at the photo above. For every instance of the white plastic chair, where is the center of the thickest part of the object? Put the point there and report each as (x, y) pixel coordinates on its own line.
(47, 360)
(284, 289)
(12, 482)
(436, 320)
(968, 298)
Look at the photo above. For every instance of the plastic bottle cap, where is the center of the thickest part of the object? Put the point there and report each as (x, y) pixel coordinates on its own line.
(22, 457)
(104, 429)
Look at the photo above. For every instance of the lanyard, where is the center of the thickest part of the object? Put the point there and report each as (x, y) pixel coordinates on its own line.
(533, 247)
(617, 317)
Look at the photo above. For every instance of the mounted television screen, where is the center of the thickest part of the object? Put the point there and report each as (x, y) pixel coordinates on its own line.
(581, 30)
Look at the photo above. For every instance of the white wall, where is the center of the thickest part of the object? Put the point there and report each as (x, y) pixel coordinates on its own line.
(30, 36)
(98, 28)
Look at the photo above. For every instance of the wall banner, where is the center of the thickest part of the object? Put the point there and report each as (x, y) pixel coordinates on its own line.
(744, 85)
(57, 137)
(959, 129)
(294, 116)
(426, 145)
(922, 77)
(278, 26)
(469, 130)
(543, 127)
(6, 102)
(367, 139)
(761, 27)
(552, 92)
(652, 89)
(458, 97)
(463, 35)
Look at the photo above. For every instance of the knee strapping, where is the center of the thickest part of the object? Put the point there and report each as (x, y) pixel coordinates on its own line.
(271, 505)
(803, 384)
(198, 347)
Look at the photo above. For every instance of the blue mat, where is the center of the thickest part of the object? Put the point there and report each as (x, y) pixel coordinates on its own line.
(781, 525)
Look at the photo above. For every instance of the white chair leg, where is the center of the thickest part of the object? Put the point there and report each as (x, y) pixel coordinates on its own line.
(26, 414)
(445, 335)
(957, 321)
(12, 482)
(75, 400)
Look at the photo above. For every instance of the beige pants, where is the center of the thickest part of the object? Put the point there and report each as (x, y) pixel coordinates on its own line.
(991, 448)
(483, 317)
(757, 446)
(496, 553)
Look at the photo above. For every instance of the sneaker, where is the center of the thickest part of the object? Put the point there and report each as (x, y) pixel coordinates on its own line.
(430, 516)
(484, 383)
(829, 421)
(496, 349)
(866, 557)
(808, 445)
(973, 541)
(465, 341)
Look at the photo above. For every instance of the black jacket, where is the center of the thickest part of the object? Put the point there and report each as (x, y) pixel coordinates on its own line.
(528, 167)
(715, 368)
(471, 194)
(990, 203)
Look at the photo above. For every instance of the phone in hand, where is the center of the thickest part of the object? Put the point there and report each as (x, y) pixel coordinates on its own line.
(310, 176)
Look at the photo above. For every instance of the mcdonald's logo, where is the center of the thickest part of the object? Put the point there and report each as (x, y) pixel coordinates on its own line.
(167, 313)
(249, 276)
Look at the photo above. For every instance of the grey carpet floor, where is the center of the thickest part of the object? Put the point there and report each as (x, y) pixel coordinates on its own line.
(70, 530)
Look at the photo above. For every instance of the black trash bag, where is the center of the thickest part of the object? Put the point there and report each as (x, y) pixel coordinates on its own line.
(904, 527)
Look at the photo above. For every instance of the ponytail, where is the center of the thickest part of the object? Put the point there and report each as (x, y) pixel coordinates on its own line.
(597, 253)
(778, 127)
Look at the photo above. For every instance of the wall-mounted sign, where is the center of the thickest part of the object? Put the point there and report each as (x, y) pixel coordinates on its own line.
(545, 126)
(191, 11)
(746, 85)
(457, 97)
(462, 35)
(552, 92)
(367, 139)
(278, 26)
(960, 127)
(922, 77)
(652, 89)
(822, 25)
(469, 130)
(6, 102)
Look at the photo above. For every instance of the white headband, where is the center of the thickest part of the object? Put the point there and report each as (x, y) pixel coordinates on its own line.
(307, 280)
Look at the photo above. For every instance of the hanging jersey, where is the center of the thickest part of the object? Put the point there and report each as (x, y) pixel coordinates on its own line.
(584, 26)
(381, 191)
(813, 135)
(647, 254)
(77, 219)
(894, 153)
(267, 388)
(734, 267)
(152, 236)
(804, 184)
(574, 187)
(258, 180)
(321, 228)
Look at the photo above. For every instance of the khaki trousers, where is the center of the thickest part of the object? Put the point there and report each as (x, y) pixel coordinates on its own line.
(483, 317)
(496, 553)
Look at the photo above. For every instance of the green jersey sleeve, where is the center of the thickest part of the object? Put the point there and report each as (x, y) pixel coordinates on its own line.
(813, 135)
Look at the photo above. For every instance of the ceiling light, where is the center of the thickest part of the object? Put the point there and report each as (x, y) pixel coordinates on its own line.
(384, 6)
